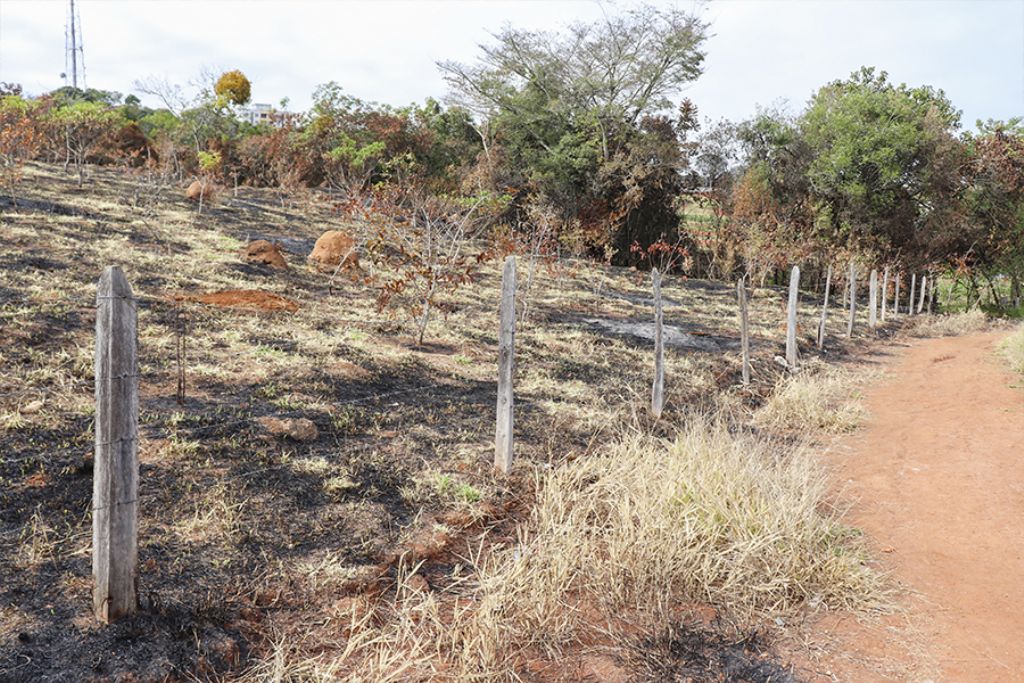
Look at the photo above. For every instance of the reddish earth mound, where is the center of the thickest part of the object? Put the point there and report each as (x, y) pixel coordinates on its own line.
(243, 298)
(333, 248)
(264, 253)
(199, 189)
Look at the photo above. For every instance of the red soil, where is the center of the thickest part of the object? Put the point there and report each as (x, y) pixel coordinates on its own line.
(243, 298)
(938, 475)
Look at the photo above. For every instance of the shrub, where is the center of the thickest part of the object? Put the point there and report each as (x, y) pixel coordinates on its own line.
(19, 137)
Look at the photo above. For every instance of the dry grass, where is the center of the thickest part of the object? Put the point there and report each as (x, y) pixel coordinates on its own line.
(1013, 348)
(951, 324)
(712, 516)
(405, 436)
(819, 399)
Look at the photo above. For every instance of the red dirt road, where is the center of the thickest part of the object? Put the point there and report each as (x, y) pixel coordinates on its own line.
(937, 474)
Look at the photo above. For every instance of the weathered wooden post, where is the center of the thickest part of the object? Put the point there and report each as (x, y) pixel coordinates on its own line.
(116, 463)
(896, 296)
(913, 285)
(873, 299)
(658, 388)
(503, 438)
(885, 292)
(741, 295)
(924, 288)
(824, 309)
(852, 289)
(931, 292)
(794, 296)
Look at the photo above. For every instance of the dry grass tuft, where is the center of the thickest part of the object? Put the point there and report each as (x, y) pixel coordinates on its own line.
(948, 325)
(1013, 348)
(820, 399)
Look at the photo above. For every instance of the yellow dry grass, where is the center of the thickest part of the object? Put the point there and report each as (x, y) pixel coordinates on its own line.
(713, 515)
(819, 399)
(1013, 348)
(950, 324)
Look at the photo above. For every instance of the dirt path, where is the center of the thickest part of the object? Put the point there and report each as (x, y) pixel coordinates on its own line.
(938, 476)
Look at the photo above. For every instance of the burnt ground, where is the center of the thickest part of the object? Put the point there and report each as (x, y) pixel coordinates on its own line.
(697, 652)
(241, 530)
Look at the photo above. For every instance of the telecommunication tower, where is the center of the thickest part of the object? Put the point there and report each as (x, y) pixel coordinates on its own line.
(74, 54)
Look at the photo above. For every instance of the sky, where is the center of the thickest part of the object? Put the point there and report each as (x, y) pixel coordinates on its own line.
(761, 52)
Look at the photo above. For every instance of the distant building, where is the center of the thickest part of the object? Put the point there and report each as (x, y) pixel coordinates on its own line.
(258, 113)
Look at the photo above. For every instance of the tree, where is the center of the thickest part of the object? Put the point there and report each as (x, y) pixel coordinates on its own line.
(883, 169)
(233, 87)
(578, 116)
(82, 125)
(19, 137)
(619, 69)
(418, 244)
(995, 205)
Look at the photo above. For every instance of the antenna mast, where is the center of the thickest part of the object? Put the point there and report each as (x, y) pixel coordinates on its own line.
(74, 53)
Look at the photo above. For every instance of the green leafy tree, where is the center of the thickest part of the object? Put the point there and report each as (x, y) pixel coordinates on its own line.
(81, 126)
(883, 169)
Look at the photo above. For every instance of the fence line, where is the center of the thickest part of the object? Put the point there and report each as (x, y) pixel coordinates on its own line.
(117, 420)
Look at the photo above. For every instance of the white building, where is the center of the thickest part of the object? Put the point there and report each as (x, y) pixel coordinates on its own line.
(258, 113)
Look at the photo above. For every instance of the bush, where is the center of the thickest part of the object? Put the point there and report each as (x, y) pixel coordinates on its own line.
(19, 137)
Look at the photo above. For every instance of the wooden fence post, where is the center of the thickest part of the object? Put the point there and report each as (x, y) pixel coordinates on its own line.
(824, 309)
(924, 288)
(503, 438)
(852, 290)
(116, 463)
(931, 293)
(741, 295)
(794, 297)
(885, 292)
(913, 285)
(873, 299)
(658, 388)
(896, 296)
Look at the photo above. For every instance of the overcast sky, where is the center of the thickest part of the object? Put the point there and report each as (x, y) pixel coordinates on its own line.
(762, 51)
